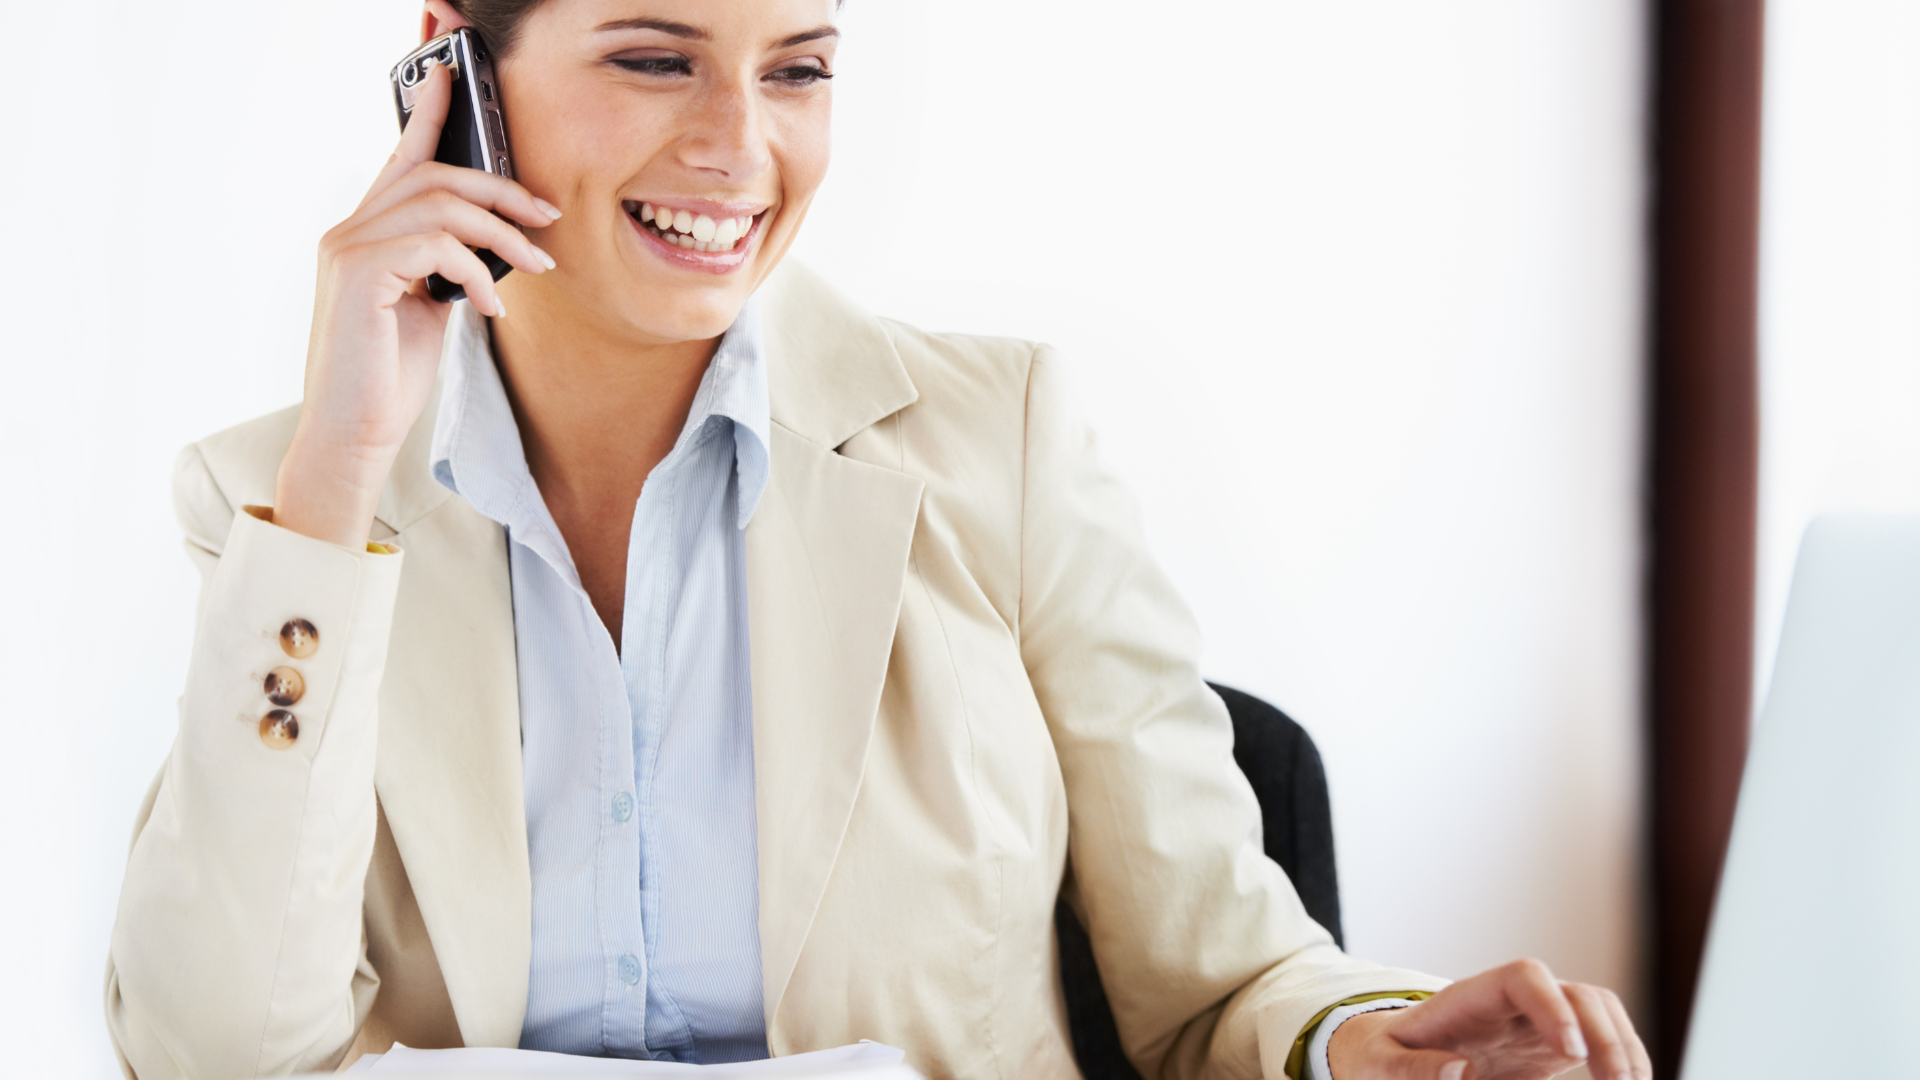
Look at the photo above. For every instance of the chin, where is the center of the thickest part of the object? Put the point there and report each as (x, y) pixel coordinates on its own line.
(683, 314)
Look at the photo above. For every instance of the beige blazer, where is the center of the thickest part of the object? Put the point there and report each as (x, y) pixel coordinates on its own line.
(972, 689)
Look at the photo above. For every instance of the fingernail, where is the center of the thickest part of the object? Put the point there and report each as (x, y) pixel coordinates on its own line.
(544, 257)
(1576, 1046)
(499, 308)
(1453, 1070)
(546, 207)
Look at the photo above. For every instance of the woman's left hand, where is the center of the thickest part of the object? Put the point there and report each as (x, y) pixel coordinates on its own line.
(1512, 1023)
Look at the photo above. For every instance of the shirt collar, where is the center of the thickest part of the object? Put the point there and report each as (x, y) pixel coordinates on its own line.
(477, 452)
(735, 386)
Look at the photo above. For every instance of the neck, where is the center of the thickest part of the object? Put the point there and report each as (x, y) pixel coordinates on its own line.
(596, 410)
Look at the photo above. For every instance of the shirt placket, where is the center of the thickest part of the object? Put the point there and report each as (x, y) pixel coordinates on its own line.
(617, 866)
(652, 559)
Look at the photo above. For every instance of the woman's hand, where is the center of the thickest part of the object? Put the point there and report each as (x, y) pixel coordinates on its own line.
(1512, 1023)
(376, 334)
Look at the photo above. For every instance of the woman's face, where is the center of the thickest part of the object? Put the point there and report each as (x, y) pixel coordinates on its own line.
(711, 114)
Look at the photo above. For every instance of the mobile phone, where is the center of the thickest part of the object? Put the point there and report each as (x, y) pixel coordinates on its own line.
(475, 135)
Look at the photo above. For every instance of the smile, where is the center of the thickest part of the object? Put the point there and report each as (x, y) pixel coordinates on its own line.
(692, 232)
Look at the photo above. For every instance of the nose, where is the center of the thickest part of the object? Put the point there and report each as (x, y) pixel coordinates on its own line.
(727, 135)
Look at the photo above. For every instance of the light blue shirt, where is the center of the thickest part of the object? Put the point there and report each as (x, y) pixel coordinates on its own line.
(638, 763)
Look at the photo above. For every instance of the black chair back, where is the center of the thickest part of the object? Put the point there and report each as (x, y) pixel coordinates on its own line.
(1284, 768)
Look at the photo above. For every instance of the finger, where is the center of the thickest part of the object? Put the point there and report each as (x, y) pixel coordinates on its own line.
(406, 260)
(1531, 987)
(420, 139)
(1487, 1002)
(441, 211)
(1636, 1049)
(495, 193)
(1606, 1057)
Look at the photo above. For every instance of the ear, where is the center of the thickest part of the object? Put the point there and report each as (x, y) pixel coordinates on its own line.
(439, 18)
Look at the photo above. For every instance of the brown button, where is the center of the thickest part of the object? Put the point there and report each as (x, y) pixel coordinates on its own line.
(299, 639)
(278, 729)
(284, 686)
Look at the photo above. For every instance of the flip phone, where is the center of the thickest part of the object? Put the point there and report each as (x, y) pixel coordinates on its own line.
(475, 135)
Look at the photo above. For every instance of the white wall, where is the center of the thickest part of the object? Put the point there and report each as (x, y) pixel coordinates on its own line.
(1380, 399)
(1381, 403)
(1840, 277)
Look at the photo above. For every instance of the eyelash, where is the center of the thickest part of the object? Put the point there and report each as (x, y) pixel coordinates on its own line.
(797, 75)
(809, 75)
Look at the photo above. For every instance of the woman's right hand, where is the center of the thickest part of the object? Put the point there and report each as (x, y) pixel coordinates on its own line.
(375, 343)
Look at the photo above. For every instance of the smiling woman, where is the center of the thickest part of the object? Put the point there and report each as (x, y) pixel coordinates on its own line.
(693, 666)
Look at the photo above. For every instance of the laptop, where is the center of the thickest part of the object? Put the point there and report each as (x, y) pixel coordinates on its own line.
(1812, 965)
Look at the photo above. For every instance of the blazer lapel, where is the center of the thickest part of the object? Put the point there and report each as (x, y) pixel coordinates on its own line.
(826, 563)
(449, 773)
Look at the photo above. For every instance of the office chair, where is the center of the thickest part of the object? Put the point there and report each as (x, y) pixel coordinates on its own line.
(1284, 768)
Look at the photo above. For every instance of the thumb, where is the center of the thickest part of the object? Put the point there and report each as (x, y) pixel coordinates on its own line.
(1429, 1065)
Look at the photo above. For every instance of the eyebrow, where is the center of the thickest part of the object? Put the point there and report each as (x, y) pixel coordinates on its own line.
(679, 30)
(814, 34)
(694, 33)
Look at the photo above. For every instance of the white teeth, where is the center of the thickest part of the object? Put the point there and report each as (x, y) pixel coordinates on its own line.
(690, 231)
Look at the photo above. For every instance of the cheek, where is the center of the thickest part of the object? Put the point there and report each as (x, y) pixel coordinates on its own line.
(803, 147)
(566, 153)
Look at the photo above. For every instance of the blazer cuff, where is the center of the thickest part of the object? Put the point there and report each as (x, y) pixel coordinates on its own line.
(1320, 1035)
(281, 602)
(1309, 986)
(265, 514)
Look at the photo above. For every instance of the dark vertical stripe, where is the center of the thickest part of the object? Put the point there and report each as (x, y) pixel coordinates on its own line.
(1704, 469)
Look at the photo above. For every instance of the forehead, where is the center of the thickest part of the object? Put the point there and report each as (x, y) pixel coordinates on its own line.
(761, 23)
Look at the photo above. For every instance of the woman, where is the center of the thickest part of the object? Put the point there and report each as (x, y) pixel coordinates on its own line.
(760, 672)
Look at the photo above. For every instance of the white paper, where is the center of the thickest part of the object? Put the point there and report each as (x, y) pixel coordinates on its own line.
(865, 1060)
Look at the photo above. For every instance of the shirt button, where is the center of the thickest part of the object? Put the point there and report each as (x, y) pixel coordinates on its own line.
(284, 686)
(629, 969)
(278, 729)
(299, 639)
(622, 806)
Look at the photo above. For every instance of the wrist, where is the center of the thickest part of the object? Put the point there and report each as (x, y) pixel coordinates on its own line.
(329, 492)
(1346, 1046)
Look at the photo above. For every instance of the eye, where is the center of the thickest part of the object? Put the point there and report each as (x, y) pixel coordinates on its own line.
(801, 75)
(653, 65)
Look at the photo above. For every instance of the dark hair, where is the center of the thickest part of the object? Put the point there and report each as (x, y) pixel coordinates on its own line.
(497, 20)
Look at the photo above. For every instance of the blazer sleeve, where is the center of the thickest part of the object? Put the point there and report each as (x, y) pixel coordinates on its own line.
(1212, 966)
(238, 947)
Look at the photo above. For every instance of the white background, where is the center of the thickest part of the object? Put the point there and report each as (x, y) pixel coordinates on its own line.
(1840, 277)
(1352, 290)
